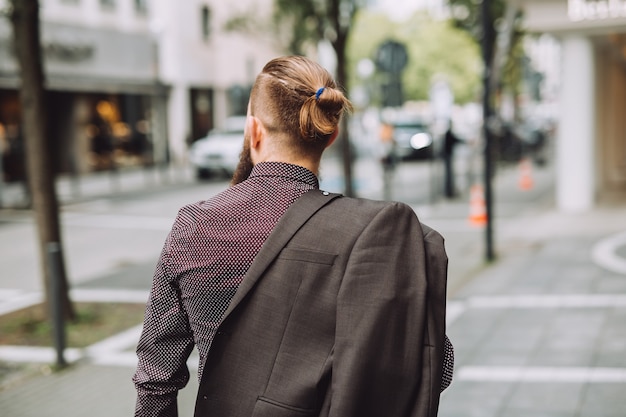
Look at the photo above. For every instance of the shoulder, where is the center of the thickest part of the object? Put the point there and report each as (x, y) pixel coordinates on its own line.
(361, 213)
(366, 205)
(370, 208)
(201, 210)
(392, 211)
(432, 236)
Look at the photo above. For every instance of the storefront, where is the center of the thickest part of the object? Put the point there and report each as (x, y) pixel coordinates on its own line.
(103, 99)
(591, 140)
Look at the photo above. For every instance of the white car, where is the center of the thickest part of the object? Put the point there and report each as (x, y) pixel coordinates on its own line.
(218, 152)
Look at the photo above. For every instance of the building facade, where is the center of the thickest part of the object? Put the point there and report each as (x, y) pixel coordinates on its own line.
(591, 138)
(99, 63)
(134, 82)
(209, 67)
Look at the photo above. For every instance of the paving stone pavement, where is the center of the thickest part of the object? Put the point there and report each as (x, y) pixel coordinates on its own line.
(540, 332)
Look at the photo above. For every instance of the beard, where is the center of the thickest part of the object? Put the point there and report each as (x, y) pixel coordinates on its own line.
(245, 165)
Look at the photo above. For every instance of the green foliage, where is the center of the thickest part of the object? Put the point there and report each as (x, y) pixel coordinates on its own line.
(435, 48)
(304, 23)
(467, 16)
(299, 22)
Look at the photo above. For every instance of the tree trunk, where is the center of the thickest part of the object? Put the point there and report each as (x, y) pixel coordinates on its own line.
(40, 175)
(339, 45)
(344, 135)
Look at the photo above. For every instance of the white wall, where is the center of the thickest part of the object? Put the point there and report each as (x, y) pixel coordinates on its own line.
(89, 13)
(575, 157)
(223, 60)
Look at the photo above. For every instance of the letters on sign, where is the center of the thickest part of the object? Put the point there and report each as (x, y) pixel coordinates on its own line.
(579, 10)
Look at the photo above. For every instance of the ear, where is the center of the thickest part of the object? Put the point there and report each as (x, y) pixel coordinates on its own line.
(333, 137)
(257, 131)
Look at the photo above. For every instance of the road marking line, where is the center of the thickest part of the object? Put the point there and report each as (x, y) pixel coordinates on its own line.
(129, 359)
(118, 221)
(20, 302)
(604, 253)
(454, 310)
(548, 301)
(6, 293)
(541, 374)
(37, 354)
(104, 295)
(117, 342)
(126, 359)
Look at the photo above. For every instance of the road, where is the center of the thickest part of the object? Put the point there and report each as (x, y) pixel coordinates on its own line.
(122, 235)
(112, 244)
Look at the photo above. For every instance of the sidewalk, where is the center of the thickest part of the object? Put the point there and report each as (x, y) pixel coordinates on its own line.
(102, 184)
(539, 332)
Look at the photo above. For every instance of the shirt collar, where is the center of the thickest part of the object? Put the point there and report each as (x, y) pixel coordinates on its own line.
(285, 170)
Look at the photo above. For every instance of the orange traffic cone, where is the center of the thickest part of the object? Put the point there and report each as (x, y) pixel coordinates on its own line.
(478, 210)
(525, 175)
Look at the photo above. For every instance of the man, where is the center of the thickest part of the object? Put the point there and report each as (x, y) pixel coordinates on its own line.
(300, 302)
(449, 142)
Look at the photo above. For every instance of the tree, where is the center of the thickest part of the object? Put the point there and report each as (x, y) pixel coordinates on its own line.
(501, 38)
(429, 43)
(305, 23)
(24, 16)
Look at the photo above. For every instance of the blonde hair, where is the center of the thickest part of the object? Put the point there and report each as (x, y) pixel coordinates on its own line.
(296, 97)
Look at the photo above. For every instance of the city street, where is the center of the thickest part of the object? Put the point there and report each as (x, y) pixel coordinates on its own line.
(538, 332)
(123, 234)
(498, 122)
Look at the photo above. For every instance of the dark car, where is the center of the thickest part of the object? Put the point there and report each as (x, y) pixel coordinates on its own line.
(413, 140)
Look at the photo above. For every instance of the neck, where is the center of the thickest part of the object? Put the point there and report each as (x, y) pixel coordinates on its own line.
(272, 150)
(313, 166)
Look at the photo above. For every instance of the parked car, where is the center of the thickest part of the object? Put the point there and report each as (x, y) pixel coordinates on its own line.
(413, 140)
(217, 154)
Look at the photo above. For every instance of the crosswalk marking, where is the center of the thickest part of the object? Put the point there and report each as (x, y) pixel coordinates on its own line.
(548, 301)
(541, 374)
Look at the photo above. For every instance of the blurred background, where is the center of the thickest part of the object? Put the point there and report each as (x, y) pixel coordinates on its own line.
(499, 121)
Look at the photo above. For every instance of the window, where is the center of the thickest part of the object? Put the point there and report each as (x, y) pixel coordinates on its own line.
(206, 22)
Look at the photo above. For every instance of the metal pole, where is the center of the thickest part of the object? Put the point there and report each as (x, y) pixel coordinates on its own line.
(56, 303)
(487, 48)
(2, 151)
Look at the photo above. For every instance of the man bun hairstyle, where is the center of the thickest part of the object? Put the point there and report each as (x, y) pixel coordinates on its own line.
(321, 112)
(298, 97)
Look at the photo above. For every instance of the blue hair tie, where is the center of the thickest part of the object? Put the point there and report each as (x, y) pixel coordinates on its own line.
(319, 93)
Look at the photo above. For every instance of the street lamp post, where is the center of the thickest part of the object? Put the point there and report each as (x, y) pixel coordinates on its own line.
(487, 50)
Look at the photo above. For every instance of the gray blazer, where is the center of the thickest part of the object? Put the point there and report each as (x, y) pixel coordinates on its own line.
(342, 314)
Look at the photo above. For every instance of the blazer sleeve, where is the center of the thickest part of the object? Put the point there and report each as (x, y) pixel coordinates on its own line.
(380, 341)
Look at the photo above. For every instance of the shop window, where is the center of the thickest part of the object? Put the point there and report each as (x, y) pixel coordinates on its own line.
(119, 132)
(238, 97)
(206, 22)
(201, 112)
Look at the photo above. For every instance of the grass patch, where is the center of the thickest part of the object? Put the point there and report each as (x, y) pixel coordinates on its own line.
(94, 322)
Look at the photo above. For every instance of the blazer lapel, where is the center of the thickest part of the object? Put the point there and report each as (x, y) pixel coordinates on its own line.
(293, 219)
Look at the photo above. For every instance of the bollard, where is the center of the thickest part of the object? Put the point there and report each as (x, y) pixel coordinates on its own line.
(56, 301)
